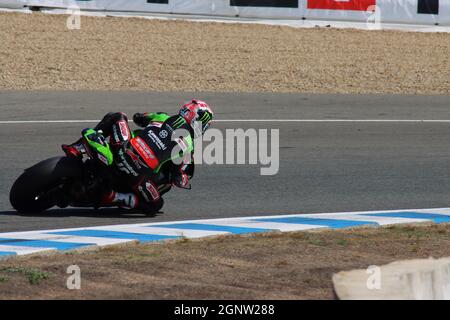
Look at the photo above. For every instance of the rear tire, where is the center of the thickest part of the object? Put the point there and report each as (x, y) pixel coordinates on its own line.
(39, 179)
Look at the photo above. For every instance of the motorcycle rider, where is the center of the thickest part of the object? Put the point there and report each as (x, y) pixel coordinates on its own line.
(149, 160)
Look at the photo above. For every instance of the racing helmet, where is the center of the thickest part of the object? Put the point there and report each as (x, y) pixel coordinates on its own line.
(195, 112)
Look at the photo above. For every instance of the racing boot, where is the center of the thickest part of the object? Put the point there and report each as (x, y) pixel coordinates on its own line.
(122, 200)
(75, 149)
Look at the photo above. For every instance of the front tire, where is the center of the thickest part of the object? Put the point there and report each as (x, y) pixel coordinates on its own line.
(28, 193)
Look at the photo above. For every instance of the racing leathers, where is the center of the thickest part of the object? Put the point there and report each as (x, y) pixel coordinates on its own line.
(149, 160)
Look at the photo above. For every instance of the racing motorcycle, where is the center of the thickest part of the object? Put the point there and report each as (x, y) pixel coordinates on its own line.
(77, 182)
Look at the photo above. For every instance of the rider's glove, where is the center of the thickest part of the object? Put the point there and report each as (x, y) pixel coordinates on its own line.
(140, 119)
(181, 180)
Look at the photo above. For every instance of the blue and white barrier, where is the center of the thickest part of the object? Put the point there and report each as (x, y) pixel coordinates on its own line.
(27, 242)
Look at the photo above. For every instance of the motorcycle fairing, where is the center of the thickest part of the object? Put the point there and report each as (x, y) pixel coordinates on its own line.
(98, 144)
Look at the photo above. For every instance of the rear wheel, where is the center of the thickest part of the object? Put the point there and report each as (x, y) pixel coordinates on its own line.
(30, 192)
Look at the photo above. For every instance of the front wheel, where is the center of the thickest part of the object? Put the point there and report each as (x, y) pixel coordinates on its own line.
(30, 191)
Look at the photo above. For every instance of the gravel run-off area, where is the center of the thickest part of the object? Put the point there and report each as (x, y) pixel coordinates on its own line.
(38, 51)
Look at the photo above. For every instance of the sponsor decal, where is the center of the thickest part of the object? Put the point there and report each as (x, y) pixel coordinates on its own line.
(124, 166)
(116, 136)
(102, 158)
(355, 5)
(181, 143)
(145, 152)
(179, 121)
(157, 124)
(143, 193)
(124, 135)
(265, 3)
(428, 7)
(156, 140)
(152, 190)
(169, 128)
(137, 161)
(187, 114)
(123, 125)
(163, 134)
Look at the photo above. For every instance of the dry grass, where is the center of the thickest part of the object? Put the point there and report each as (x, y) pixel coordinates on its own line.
(268, 266)
(38, 52)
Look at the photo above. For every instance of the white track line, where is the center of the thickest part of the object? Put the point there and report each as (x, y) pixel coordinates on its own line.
(46, 121)
(245, 120)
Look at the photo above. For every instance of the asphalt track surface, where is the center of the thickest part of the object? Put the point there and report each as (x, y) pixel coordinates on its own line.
(325, 166)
